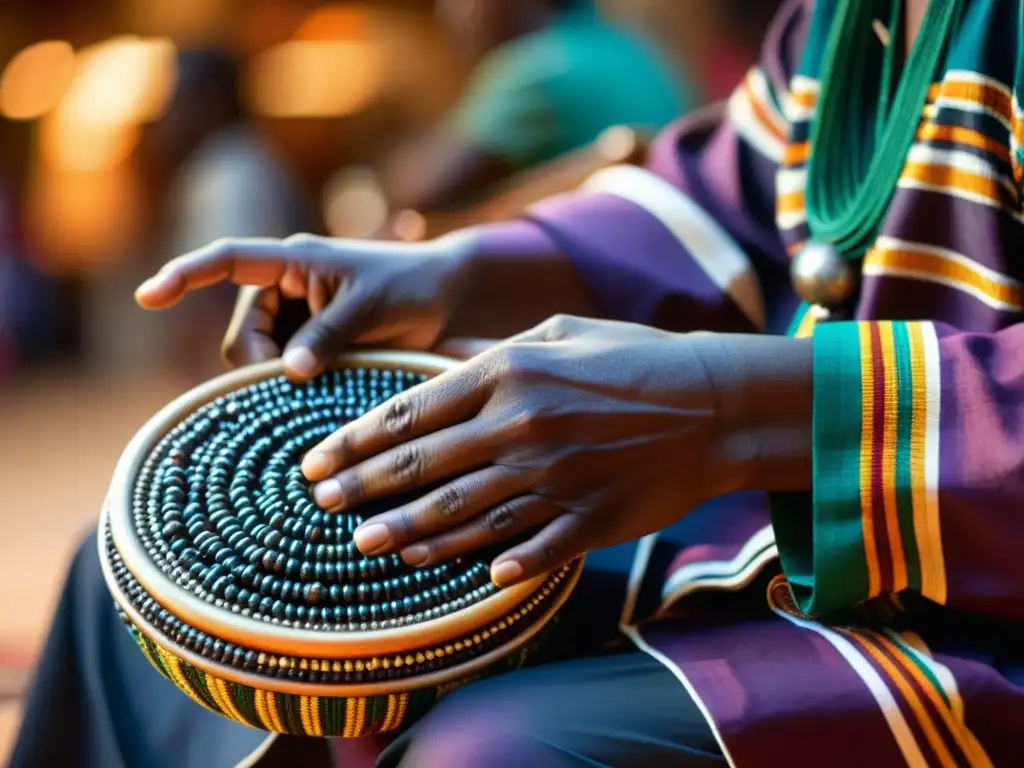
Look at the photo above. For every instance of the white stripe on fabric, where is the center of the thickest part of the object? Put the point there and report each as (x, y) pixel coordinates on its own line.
(762, 90)
(636, 574)
(876, 686)
(883, 270)
(934, 560)
(886, 243)
(961, 161)
(790, 180)
(707, 243)
(754, 550)
(748, 126)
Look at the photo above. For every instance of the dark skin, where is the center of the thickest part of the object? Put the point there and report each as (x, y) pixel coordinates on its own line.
(579, 433)
(584, 432)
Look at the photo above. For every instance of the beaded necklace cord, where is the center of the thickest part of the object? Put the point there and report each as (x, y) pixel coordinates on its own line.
(863, 130)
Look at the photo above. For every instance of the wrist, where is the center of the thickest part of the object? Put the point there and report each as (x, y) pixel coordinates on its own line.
(511, 277)
(763, 390)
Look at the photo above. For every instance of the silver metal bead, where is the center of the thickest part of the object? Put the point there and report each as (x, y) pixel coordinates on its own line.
(822, 276)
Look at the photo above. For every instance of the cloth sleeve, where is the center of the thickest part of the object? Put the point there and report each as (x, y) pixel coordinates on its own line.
(689, 241)
(918, 470)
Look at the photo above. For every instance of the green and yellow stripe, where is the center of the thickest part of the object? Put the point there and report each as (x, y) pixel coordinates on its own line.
(876, 443)
(930, 697)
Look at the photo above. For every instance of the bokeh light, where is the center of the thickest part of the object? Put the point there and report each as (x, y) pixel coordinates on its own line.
(123, 80)
(36, 79)
(118, 85)
(315, 78)
(335, 22)
(354, 203)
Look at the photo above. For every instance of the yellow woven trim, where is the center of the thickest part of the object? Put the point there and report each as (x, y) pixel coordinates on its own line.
(360, 724)
(269, 714)
(309, 713)
(275, 713)
(386, 725)
(174, 667)
(403, 703)
(262, 711)
(314, 712)
(307, 726)
(222, 695)
(350, 718)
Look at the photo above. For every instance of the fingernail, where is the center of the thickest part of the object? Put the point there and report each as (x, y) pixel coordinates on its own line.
(372, 538)
(316, 466)
(328, 494)
(300, 360)
(417, 554)
(148, 285)
(506, 572)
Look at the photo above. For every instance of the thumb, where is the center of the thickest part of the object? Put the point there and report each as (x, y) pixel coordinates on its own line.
(327, 334)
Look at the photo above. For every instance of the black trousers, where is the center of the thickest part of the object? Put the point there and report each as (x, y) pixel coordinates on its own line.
(97, 703)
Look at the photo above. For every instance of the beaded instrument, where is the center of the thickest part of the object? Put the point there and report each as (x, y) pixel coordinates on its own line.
(257, 604)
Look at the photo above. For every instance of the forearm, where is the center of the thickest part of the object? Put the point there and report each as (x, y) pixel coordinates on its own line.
(516, 278)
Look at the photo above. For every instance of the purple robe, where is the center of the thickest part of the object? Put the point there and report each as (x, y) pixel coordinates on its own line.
(894, 634)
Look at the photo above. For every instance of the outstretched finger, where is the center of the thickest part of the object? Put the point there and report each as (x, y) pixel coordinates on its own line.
(256, 262)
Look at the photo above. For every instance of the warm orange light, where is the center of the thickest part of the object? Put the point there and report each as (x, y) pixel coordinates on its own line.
(315, 79)
(81, 221)
(124, 80)
(335, 22)
(74, 146)
(118, 85)
(184, 20)
(35, 80)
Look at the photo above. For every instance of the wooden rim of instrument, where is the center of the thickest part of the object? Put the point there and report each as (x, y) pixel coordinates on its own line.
(253, 633)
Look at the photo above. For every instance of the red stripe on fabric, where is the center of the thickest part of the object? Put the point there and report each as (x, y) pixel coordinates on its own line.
(940, 725)
(909, 717)
(885, 565)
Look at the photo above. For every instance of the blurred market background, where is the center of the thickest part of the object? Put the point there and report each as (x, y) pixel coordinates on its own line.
(105, 106)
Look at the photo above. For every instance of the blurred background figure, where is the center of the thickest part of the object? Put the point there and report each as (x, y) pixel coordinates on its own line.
(29, 304)
(229, 182)
(225, 180)
(132, 130)
(550, 76)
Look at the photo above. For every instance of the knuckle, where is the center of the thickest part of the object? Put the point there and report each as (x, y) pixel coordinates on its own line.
(223, 246)
(450, 501)
(500, 518)
(558, 327)
(301, 241)
(318, 335)
(355, 489)
(547, 553)
(407, 463)
(407, 523)
(398, 416)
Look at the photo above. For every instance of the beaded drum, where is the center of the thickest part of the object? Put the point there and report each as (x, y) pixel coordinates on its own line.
(257, 604)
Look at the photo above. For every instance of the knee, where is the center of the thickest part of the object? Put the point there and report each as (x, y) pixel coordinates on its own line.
(459, 734)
